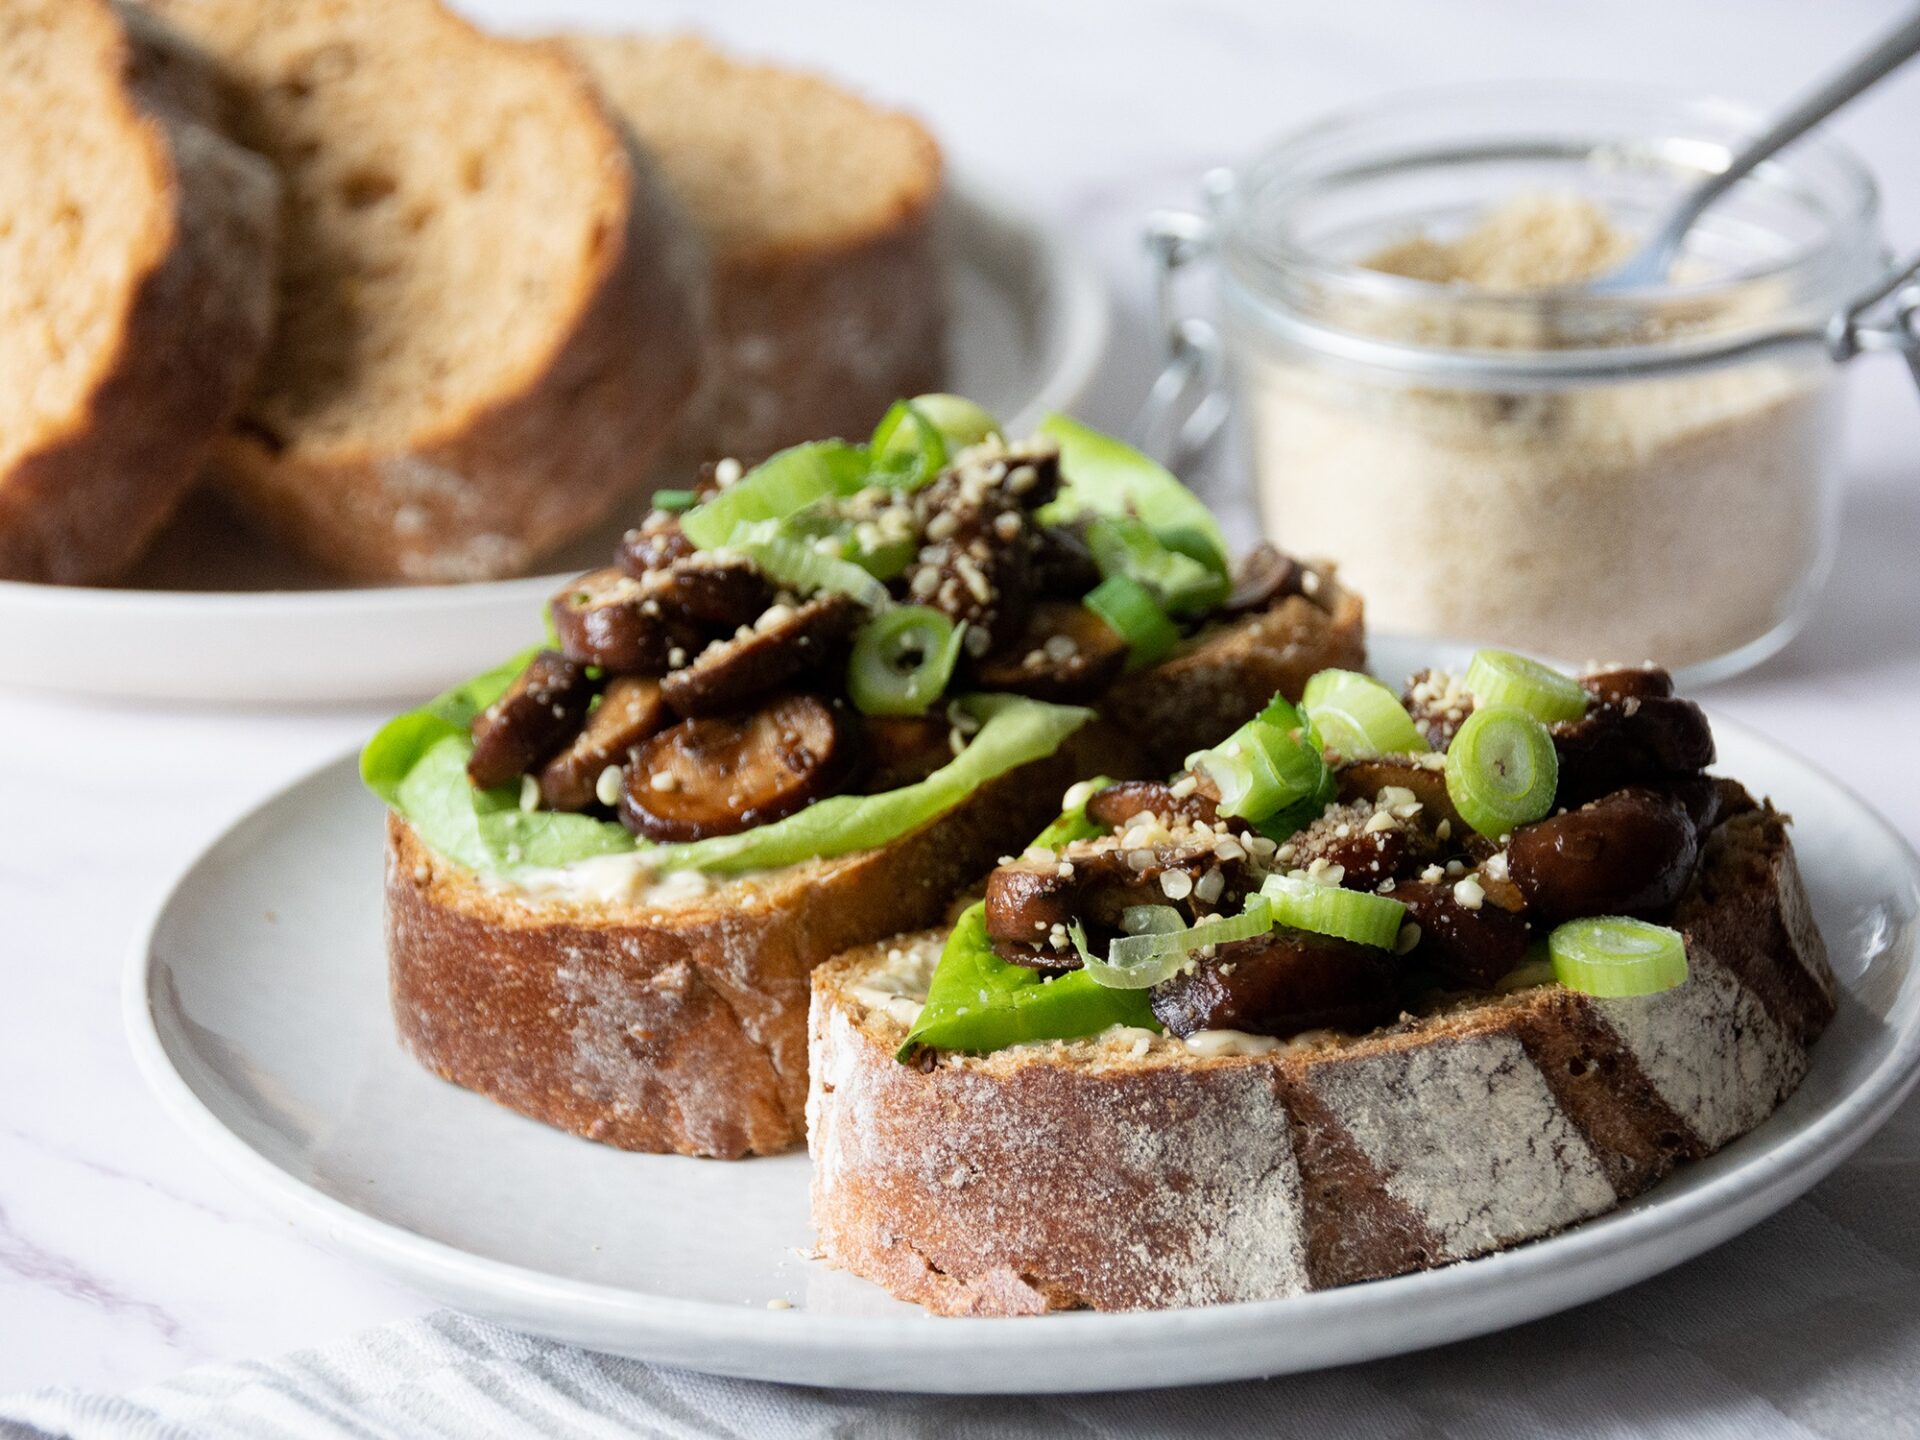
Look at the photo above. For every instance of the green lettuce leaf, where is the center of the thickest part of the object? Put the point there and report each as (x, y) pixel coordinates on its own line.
(399, 745)
(1110, 478)
(979, 1003)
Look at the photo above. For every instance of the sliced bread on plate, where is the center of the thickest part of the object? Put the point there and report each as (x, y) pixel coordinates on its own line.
(1131, 1170)
(489, 306)
(817, 208)
(137, 249)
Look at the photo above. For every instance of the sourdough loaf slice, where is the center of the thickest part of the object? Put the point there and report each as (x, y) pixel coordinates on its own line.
(488, 308)
(1129, 1171)
(137, 252)
(817, 209)
(681, 1026)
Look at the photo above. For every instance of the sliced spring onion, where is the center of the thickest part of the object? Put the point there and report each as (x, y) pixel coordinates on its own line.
(1129, 607)
(1357, 915)
(1502, 770)
(1122, 545)
(1073, 823)
(1267, 765)
(958, 421)
(674, 500)
(799, 564)
(902, 660)
(1358, 717)
(1500, 677)
(907, 447)
(1615, 957)
(1137, 961)
(777, 487)
(1151, 920)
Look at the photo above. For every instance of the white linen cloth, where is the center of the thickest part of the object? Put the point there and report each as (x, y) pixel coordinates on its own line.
(1807, 1326)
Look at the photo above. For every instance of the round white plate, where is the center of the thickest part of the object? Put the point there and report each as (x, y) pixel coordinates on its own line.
(257, 1005)
(1029, 326)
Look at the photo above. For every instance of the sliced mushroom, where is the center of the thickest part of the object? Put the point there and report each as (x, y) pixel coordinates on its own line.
(1024, 901)
(725, 592)
(610, 619)
(978, 562)
(1115, 805)
(1065, 653)
(540, 711)
(718, 775)
(630, 710)
(904, 750)
(1640, 740)
(1631, 852)
(1063, 565)
(655, 543)
(1366, 848)
(1365, 779)
(1280, 984)
(1631, 682)
(1473, 946)
(1263, 577)
(785, 643)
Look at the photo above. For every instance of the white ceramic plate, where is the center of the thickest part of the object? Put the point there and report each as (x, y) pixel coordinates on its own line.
(257, 1005)
(1030, 323)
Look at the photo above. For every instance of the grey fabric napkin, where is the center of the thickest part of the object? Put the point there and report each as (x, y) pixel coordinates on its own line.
(1808, 1326)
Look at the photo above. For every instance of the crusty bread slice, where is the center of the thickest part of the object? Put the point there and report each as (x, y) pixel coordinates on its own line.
(1128, 1172)
(488, 321)
(817, 208)
(136, 284)
(683, 1027)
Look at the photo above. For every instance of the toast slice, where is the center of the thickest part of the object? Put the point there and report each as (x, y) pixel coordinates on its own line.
(488, 312)
(136, 284)
(1129, 1171)
(681, 1025)
(817, 209)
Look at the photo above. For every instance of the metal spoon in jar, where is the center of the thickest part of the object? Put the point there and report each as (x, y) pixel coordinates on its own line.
(1650, 264)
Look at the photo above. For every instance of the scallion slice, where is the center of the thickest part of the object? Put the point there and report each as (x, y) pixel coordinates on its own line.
(673, 500)
(1122, 545)
(1357, 915)
(1357, 717)
(799, 564)
(1502, 770)
(1500, 677)
(1616, 958)
(1135, 962)
(1129, 607)
(958, 421)
(777, 487)
(1267, 765)
(902, 660)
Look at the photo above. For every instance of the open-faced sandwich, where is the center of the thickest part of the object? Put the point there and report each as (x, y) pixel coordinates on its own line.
(804, 710)
(1377, 984)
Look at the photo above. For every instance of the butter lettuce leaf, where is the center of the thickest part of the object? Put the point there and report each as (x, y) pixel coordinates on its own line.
(978, 1003)
(1104, 476)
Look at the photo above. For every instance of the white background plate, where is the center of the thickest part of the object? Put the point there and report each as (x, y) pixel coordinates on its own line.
(257, 1008)
(1029, 324)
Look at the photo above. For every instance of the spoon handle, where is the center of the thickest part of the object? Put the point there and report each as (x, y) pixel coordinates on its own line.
(1897, 48)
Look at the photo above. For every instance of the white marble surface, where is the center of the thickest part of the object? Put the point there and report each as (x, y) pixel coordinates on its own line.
(125, 1256)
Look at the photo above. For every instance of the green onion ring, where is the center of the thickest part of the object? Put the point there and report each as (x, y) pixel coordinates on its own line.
(1357, 915)
(1500, 677)
(1617, 958)
(902, 661)
(1357, 717)
(1502, 770)
(1136, 617)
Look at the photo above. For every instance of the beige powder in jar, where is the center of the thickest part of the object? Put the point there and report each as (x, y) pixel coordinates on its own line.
(1671, 518)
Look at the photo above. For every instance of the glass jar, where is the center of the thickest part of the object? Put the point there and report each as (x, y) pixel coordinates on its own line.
(1587, 474)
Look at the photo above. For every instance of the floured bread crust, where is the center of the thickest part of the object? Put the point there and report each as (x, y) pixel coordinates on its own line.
(1127, 1172)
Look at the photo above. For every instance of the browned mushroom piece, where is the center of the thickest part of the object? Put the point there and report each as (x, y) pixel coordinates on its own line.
(718, 775)
(1365, 779)
(1628, 682)
(1638, 741)
(630, 710)
(1065, 653)
(1628, 853)
(978, 562)
(1063, 564)
(1474, 946)
(1439, 704)
(1116, 804)
(1365, 849)
(785, 643)
(1282, 983)
(655, 543)
(609, 619)
(539, 712)
(1263, 577)
(1024, 901)
(904, 749)
(723, 592)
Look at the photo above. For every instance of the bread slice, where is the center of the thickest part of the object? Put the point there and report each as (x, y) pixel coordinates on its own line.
(817, 209)
(488, 312)
(137, 251)
(682, 1026)
(1128, 1172)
